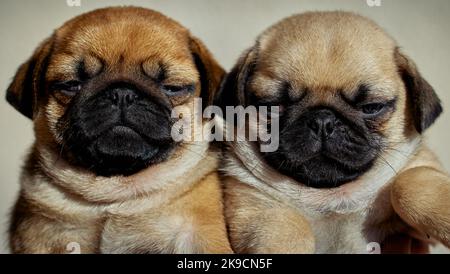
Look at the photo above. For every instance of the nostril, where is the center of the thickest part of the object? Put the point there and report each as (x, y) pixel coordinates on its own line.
(114, 98)
(314, 126)
(122, 97)
(130, 98)
(328, 128)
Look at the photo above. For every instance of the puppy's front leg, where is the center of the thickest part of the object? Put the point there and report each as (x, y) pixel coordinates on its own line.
(421, 197)
(258, 224)
(35, 231)
(192, 223)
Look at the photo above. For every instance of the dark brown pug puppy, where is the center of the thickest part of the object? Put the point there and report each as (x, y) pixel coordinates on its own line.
(351, 167)
(104, 172)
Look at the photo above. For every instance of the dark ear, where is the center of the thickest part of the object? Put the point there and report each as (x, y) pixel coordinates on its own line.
(232, 91)
(211, 73)
(425, 104)
(22, 92)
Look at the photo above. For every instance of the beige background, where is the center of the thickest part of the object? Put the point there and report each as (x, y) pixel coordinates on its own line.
(227, 28)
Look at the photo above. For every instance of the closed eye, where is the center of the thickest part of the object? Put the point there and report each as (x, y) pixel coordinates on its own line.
(372, 109)
(68, 87)
(375, 109)
(177, 90)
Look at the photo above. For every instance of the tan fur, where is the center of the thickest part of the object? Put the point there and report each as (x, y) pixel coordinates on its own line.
(326, 53)
(292, 232)
(171, 207)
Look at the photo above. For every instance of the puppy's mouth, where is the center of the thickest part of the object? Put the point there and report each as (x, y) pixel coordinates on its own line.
(123, 142)
(322, 171)
(121, 150)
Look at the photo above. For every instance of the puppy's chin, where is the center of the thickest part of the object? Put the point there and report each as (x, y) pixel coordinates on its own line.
(121, 151)
(324, 172)
(319, 171)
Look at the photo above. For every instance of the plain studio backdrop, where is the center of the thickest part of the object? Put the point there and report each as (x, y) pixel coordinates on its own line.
(227, 27)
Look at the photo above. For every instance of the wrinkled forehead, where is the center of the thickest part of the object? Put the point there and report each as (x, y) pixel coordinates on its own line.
(122, 44)
(327, 55)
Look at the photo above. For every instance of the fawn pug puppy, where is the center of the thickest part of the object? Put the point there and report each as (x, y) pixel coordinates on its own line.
(104, 171)
(351, 167)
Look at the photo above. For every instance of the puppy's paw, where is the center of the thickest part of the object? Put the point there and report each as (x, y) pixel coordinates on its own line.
(421, 197)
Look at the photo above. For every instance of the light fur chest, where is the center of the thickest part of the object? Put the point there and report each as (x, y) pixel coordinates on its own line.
(340, 233)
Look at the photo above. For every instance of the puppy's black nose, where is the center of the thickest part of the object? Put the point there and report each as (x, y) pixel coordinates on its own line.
(322, 123)
(123, 96)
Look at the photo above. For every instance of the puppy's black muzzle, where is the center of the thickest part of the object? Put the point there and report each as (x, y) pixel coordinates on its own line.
(119, 130)
(323, 149)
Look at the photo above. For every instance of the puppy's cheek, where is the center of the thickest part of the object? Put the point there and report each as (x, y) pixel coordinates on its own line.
(390, 121)
(53, 113)
(182, 99)
(396, 131)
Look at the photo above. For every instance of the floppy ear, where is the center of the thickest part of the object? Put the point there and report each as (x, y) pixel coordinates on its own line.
(426, 106)
(22, 92)
(232, 91)
(211, 73)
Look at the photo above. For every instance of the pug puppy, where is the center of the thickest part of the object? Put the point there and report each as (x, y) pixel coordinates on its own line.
(104, 174)
(351, 168)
